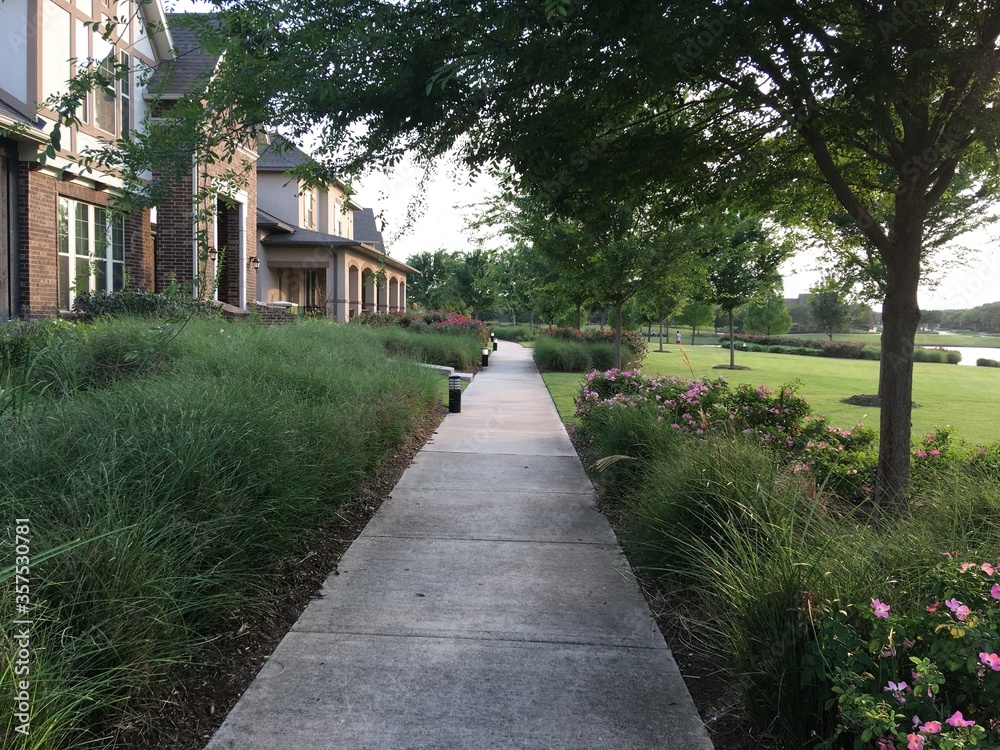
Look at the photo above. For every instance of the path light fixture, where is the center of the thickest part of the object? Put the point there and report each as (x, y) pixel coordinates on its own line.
(454, 394)
(255, 262)
(486, 357)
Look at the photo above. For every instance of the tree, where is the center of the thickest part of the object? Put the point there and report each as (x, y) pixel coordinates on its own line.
(696, 313)
(769, 315)
(743, 262)
(830, 309)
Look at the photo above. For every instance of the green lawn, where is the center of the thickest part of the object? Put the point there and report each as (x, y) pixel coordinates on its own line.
(967, 398)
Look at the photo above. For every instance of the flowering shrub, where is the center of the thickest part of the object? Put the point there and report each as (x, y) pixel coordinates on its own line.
(922, 679)
(779, 419)
(423, 321)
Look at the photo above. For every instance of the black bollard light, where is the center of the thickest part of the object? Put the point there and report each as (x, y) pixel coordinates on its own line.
(486, 357)
(454, 394)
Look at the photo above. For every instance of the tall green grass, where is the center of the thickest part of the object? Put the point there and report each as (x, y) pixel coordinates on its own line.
(460, 351)
(747, 546)
(171, 489)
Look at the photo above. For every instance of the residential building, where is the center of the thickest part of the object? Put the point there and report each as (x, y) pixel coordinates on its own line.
(57, 235)
(318, 249)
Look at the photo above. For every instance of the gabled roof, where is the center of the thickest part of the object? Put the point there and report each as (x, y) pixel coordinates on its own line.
(191, 64)
(366, 229)
(280, 155)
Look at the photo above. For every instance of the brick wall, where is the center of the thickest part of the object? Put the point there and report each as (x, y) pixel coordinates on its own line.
(37, 243)
(37, 238)
(175, 254)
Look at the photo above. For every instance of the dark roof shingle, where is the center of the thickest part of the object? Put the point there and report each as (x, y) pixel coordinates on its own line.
(366, 229)
(192, 64)
(280, 155)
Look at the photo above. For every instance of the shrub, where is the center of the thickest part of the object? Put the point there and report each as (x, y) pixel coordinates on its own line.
(982, 362)
(89, 305)
(516, 333)
(634, 346)
(924, 676)
(844, 459)
(553, 355)
(461, 350)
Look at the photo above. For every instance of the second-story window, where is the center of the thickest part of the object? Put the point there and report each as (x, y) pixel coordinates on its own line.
(309, 209)
(105, 109)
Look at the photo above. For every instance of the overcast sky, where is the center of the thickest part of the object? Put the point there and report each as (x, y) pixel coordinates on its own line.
(451, 196)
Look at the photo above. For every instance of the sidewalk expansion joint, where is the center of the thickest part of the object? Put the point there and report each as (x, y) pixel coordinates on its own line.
(490, 540)
(486, 639)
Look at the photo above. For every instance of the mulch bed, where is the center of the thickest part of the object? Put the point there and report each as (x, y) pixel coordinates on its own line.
(204, 695)
(730, 367)
(869, 400)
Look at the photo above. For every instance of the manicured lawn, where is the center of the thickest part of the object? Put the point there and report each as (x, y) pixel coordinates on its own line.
(967, 398)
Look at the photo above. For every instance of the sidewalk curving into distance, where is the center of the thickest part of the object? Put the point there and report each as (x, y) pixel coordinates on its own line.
(487, 606)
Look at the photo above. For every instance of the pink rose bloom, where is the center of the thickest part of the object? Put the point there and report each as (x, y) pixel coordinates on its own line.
(987, 569)
(990, 660)
(968, 566)
(995, 591)
(931, 727)
(914, 741)
(882, 610)
(958, 609)
(957, 720)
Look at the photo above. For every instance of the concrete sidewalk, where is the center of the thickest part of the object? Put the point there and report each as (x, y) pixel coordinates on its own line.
(486, 606)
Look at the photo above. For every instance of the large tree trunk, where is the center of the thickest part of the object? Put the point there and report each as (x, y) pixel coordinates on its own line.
(900, 319)
(618, 336)
(732, 342)
(661, 335)
(693, 330)
(579, 316)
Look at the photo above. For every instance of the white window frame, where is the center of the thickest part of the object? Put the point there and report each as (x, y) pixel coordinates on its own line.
(101, 265)
(309, 209)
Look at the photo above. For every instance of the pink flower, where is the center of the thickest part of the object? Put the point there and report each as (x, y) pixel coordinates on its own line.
(987, 568)
(933, 607)
(882, 610)
(931, 727)
(914, 741)
(957, 720)
(967, 566)
(885, 744)
(958, 609)
(990, 660)
(921, 454)
(934, 452)
(995, 591)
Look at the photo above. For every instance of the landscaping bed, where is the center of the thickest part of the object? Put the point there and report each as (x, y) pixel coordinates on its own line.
(176, 475)
(774, 582)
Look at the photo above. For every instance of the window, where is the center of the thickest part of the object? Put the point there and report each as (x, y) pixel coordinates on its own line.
(91, 250)
(104, 99)
(125, 95)
(309, 209)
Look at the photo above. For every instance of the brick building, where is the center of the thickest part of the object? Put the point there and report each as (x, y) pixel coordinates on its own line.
(57, 234)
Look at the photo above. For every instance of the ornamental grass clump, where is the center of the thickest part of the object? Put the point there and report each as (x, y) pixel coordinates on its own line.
(159, 503)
